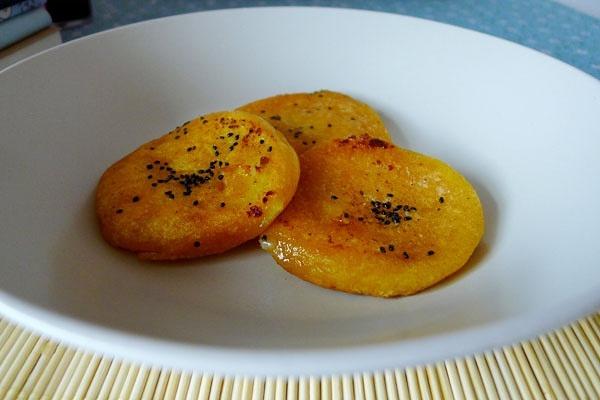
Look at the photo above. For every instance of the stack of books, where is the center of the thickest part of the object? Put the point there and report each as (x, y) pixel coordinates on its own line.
(21, 18)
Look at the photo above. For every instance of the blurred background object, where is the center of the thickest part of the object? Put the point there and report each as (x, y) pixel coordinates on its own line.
(590, 7)
(28, 27)
(21, 18)
(69, 13)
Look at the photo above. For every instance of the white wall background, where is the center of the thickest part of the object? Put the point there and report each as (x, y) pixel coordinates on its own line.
(590, 7)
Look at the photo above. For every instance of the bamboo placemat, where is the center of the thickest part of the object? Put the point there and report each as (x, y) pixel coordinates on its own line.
(564, 364)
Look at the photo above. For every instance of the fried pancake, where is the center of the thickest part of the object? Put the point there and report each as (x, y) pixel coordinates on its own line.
(309, 118)
(375, 219)
(203, 188)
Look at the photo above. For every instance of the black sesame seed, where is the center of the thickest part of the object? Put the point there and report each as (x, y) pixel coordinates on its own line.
(261, 141)
(270, 149)
(151, 148)
(119, 211)
(441, 199)
(334, 197)
(346, 215)
(149, 166)
(382, 249)
(196, 202)
(405, 254)
(196, 244)
(220, 177)
(149, 176)
(329, 125)
(154, 184)
(314, 142)
(230, 134)
(222, 205)
(177, 137)
(263, 237)
(391, 247)
(135, 199)
(156, 162)
(407, 218)
(390, 195)
(276, 117)
(430, 252)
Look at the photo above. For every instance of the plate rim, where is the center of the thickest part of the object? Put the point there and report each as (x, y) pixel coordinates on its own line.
(326, 360)
(288, 362)
(388, 14)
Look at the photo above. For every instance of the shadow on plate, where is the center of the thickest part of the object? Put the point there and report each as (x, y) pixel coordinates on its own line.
(395, 131)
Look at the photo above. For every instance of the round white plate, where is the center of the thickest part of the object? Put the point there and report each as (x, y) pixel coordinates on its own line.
(524, 128)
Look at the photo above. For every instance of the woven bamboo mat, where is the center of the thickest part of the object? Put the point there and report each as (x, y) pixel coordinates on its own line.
(564, 364)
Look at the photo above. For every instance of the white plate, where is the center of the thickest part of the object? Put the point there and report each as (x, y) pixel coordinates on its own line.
(524, 128)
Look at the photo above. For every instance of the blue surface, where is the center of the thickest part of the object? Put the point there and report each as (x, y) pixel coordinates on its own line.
(543, 25)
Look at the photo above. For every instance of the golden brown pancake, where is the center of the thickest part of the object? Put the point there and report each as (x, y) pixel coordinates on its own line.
(203, 188)
(309, 118)
(372, 218)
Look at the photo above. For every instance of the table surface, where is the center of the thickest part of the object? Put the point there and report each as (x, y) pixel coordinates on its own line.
(543, 25)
